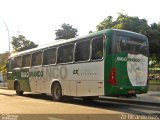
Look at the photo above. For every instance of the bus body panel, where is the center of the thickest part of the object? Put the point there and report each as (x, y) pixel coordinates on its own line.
(16, 76)
(131, 71)
(81, 79)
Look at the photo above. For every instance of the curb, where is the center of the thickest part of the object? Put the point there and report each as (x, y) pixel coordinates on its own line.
(3, 88)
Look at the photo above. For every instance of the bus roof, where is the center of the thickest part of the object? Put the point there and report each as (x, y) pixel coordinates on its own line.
(63, 41)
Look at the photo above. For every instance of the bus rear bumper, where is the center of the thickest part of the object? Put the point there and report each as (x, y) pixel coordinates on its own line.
(125, 91)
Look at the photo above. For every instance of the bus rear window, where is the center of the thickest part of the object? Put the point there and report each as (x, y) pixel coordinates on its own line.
(131, 45)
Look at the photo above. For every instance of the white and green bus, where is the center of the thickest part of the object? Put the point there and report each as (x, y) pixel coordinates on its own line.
(106, 63)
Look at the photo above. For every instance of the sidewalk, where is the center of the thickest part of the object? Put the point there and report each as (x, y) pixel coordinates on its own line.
(6, 92)
(150, 98)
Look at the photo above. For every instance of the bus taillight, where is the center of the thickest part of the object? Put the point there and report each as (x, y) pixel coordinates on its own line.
(112, 76)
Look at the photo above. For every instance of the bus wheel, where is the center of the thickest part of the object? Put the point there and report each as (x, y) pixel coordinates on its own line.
(56, 92)
(17, 88)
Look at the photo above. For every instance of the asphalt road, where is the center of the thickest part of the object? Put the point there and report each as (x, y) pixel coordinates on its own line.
(40, 107)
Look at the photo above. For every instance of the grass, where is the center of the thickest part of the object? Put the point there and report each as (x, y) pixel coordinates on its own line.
(154, 82)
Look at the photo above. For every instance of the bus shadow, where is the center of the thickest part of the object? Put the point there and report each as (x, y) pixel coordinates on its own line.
(107, 105)
(38, 96)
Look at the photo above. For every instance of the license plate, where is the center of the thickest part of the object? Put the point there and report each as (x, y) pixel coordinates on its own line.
(131, 91)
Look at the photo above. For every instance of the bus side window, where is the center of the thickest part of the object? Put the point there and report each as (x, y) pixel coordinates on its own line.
(82, 51)
(18, 62)
(10, 65)
(37, 58)
(65, 53)
(49, 56)
(26, 60)
(97, 48)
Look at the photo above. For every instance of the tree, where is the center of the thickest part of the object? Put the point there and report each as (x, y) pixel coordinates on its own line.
(135, 24)
(125, 22)
(131, 23)
(154, 40)
(3, 59)
(106, 23)
(66, 32)
(90, 32)
(20, 43)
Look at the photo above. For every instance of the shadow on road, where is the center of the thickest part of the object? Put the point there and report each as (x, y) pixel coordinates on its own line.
(108, 105)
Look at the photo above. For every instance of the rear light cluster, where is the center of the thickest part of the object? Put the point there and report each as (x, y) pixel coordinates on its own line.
(112, 77)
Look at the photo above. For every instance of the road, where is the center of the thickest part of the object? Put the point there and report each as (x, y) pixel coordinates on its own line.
(36, 106)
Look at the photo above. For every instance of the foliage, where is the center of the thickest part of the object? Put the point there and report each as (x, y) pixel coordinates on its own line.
(154, 82)
(135, 24)
(20, 43)
(3, 59)
(3, 67)
(90, 32)
(153, 61)
(66, 32)
(154, 40)
(125, 22)
(106, 23)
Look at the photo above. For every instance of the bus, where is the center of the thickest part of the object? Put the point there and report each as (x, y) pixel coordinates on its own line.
(110, 62)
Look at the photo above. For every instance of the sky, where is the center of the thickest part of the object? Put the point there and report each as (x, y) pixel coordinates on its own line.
(37, 20)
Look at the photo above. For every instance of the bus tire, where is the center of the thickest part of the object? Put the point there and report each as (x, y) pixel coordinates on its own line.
(17, 88)
(56, 91)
